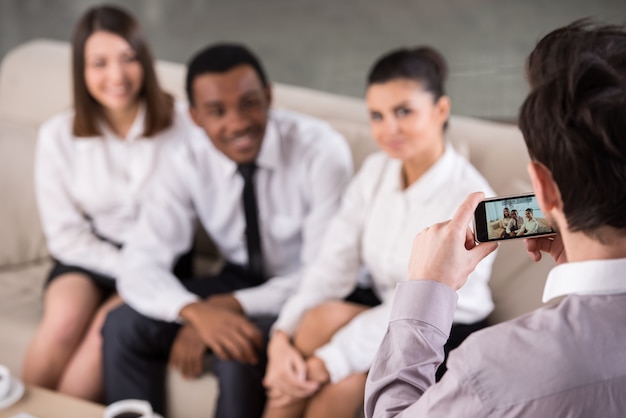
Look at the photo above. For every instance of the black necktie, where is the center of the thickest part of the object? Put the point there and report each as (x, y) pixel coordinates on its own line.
(253, 237)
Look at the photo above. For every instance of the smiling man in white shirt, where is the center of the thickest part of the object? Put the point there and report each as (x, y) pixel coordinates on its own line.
(264, 187)
(563, 360)
(530, 225)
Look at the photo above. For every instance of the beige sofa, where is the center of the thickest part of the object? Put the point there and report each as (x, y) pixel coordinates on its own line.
(35, 84)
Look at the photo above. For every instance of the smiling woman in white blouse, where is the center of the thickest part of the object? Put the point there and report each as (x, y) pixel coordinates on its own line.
(325, 338)
(93, 164)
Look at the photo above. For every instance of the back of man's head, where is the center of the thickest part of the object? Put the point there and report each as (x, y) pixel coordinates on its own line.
(219, 59)
(574, 121)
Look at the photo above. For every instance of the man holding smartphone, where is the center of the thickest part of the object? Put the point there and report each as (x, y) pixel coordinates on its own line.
(566, 360)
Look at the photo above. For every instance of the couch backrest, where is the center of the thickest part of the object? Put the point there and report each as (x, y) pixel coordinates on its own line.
(35, 84)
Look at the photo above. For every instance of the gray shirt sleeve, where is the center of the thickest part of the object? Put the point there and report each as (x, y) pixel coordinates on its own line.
(401, 381)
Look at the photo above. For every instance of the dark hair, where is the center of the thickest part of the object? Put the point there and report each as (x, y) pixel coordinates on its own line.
(159, 105)
(423, 64)
(221, 58)
(529, 210)
(574, 121)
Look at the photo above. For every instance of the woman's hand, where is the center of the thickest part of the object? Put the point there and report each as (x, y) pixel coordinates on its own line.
(286, 376)
(316, 370)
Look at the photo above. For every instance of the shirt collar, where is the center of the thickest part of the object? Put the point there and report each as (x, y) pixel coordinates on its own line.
(595, 277)
(436, 177)
(269, 155)
(136, 130)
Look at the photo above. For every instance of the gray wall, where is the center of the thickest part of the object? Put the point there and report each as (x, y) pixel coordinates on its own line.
(329, 45)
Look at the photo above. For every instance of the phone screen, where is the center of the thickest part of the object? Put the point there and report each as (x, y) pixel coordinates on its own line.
(509, 217)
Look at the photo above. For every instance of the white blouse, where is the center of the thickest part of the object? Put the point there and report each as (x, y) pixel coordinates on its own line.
(91, 188)
(375, 228)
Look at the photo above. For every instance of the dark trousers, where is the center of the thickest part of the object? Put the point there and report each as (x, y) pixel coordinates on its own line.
(137, 348)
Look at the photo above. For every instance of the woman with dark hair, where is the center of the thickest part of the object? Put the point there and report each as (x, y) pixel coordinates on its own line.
(93, 164)
(325, 338)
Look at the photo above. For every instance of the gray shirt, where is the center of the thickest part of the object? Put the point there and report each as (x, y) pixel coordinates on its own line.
(564, 360)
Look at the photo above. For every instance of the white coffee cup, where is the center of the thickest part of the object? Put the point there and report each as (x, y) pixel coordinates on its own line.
(5, 381)
(129, 408)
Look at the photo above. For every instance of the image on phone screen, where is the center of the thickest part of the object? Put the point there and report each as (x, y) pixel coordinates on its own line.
(509, 217)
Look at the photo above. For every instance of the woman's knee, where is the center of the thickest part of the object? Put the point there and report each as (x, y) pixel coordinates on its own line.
(344, 398)
(64, 331)
(64, 326)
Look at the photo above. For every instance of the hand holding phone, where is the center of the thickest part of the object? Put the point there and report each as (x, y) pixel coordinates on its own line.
(447, 252)
(510, 217)
(551, 245)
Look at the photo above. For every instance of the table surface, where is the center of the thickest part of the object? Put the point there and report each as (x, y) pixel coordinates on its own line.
(44, 403)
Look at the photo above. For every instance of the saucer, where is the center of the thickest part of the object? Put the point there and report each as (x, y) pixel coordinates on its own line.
(15, 393)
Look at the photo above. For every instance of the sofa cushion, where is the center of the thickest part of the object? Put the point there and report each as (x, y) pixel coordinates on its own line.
(22, 80)
(196, 397)
(22, 238)
(320, 104)
(358, 137)
(497, 150)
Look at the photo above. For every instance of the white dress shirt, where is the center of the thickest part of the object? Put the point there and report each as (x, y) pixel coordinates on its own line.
(303, 167)
(565, 360)
(92, 187)
(375, 228)
(531, 226)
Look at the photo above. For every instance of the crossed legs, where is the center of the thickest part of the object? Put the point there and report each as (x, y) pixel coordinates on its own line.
(65, 354)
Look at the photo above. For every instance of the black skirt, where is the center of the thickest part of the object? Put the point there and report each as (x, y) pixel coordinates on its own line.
(183, 270)
(106, 283)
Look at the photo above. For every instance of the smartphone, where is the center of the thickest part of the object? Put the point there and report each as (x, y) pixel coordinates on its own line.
(510, 217)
